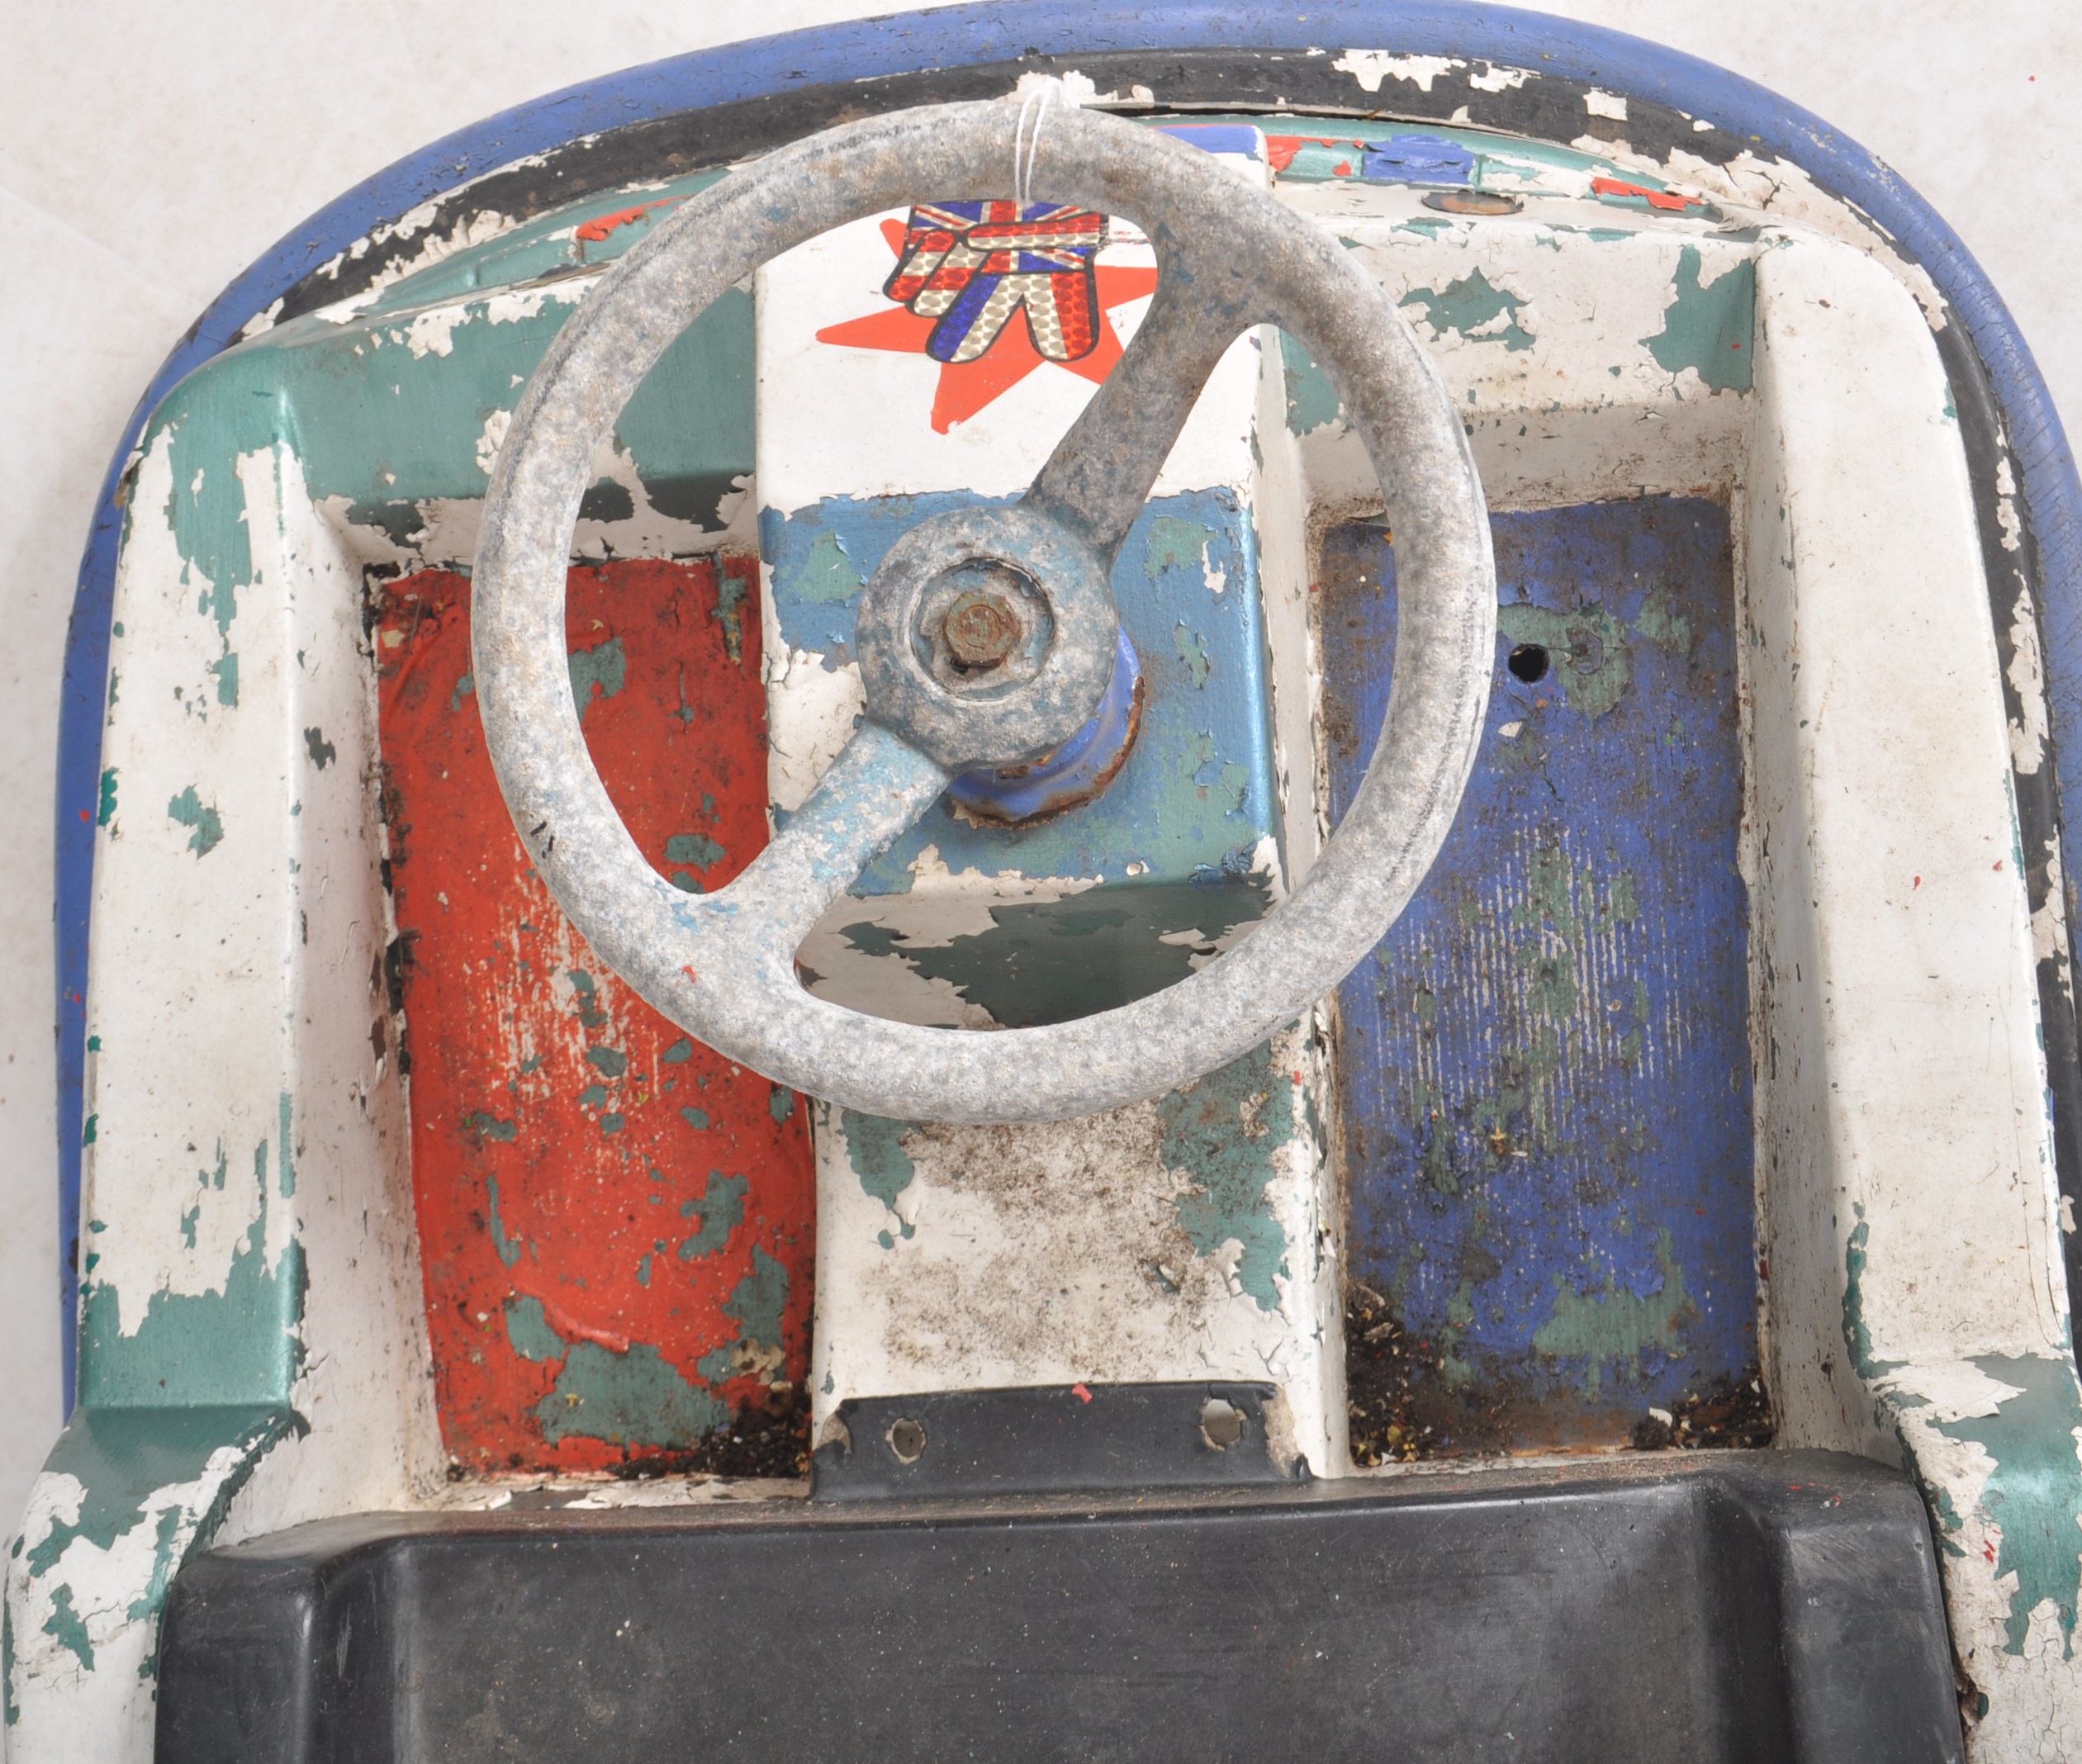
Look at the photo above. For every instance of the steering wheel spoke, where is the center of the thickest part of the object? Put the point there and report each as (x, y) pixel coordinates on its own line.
(872, 794)
(1101, 473)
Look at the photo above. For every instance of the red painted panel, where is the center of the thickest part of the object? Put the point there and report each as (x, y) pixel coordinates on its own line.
(615, 1223)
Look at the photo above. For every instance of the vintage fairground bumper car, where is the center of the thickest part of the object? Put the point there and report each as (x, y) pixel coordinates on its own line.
(1043, 882)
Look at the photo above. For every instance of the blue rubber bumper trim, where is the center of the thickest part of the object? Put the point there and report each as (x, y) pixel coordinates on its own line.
(966, 36)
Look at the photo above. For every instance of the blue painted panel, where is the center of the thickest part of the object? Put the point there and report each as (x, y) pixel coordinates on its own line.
(1544, 1067)
(1175, 836)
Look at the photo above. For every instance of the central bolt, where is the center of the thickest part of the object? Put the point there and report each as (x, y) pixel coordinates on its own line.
(981, 630)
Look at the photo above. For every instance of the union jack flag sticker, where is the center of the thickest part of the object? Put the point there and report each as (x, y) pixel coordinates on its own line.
(971, 265)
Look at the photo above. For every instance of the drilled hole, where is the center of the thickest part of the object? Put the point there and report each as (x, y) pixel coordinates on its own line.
(907, 1440)
(1222, 1423)
(1528, 662)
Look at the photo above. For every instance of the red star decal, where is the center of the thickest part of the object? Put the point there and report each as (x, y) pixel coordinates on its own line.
(966, 389)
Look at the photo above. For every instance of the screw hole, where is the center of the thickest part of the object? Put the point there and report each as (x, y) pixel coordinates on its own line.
(907, 1440)
(1221, 1424)
(1528, 662)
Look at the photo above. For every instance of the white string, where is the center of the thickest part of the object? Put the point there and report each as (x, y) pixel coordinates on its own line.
(1026, 147)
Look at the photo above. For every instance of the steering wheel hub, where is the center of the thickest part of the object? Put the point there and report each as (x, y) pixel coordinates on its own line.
(987, 637)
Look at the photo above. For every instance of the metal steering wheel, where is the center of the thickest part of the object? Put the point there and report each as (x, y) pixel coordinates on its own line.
(721, 965)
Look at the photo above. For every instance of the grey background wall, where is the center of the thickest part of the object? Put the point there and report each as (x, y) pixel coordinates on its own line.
(148, 152)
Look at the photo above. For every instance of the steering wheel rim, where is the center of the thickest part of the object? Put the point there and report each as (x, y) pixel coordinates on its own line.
(721, 965)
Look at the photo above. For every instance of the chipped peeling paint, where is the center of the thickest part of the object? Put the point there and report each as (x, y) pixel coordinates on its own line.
(1547, 1126)
(608, 1208)
(1188, 1237)
(971, 924)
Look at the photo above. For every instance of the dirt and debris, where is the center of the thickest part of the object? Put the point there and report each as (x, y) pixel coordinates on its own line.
(1377, 1368)
(1404, 1409)
(1735, 1414)
(769, 1438)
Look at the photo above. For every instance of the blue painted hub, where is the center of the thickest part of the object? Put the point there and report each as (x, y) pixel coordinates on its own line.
(1076, 771)
(1180, 839)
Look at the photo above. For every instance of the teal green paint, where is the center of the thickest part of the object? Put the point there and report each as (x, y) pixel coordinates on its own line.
(108, 798)
(286, 1162)
(593, 1096)
(1588, 646)
(761, 1299)
(781, 1104)
(1204, 1134)
(697, 849)
(320, 751)
(508, 1248)
(696, 1118)
(644, 1268)
(730, 593)
(720, 1206)
(465, 686)
(240, 1343)
(206, 506)
(483, 1127)
(88, 1133)
(189, 1221)
(1312, 400)
(611, 1123)
(122, 1457)
(151, 1598)
(828, 575)
(605, 666)
(634, 1398)
(1711, 329)
(1044, 962)
(1857, 1337)
(363, 413)
(529, 1331)
(2035, 1491)
(610, 1061)
(687, 466)
(226, 670)
(1193, 657)
(1616, 1325)
(1949, 1523)
(1472, 307)
(190, 810)
(1661, 620)
(678, 1053)
(64, 1623)
(590, 1013)
(1177, 544)
(875, 1148)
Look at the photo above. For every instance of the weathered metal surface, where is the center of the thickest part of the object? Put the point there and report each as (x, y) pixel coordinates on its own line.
(615, 1222)
(727, 972)
(1049, 673)
(1911, 1220)
(1196, 1235)
(1545, 1070)
(1871, 511)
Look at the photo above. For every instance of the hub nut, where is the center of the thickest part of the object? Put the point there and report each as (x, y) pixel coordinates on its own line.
(981, 630)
